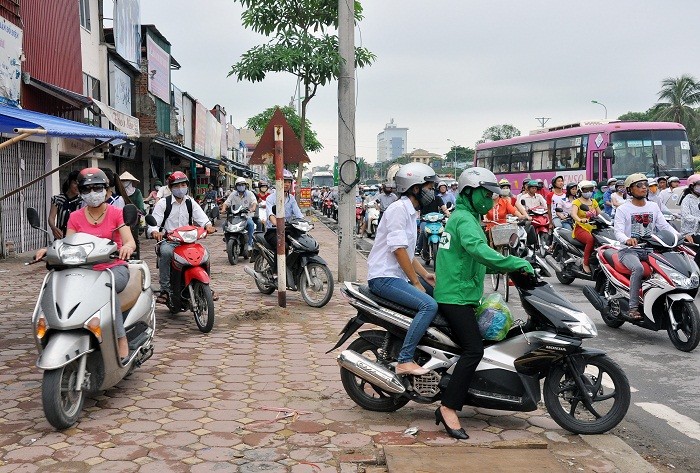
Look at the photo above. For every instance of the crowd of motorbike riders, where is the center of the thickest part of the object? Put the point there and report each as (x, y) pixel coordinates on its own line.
(470, 205)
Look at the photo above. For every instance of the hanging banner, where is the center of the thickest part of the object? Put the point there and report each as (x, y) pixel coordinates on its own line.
(158, 70)
(127, 30)
(119, 89)
(200, 128)
(123, 122)
(10, 65)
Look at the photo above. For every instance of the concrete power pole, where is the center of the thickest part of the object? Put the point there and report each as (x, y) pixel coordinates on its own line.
(347, 171)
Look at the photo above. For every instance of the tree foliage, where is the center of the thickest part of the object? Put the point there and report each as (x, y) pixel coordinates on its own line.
(465, 154)
(260, 121)
(499, 132)
(647, 116)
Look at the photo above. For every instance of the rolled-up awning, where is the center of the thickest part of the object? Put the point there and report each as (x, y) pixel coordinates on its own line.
(187, 154)
(17, 120)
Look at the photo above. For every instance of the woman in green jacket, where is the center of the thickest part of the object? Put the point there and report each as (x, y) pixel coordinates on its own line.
(462, 260)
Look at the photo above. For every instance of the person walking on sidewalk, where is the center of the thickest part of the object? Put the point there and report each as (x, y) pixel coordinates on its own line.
(393, 271)
(461, 266)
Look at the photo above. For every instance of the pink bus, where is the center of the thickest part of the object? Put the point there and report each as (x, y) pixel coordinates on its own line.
(594, 150)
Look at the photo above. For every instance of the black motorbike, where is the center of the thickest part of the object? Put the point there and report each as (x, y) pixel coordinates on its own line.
(585, 391)
(566, 255)
(236, 234)
(307, 272)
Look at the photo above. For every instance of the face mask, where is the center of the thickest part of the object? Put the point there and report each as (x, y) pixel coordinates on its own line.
(94, 199)
(586, 195)
(180, 192)
(481, 201)
(129, 188)
(426, 197)
(157, 188)
(387, 191)
(240, 188)
(505, 192)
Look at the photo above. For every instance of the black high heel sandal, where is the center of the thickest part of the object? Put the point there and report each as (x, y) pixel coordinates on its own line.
(454, 433)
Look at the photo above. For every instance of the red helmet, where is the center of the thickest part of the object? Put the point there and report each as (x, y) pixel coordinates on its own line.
(176, 178)
(90, 176)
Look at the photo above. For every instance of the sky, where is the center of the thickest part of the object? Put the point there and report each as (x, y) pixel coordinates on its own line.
(451, 69)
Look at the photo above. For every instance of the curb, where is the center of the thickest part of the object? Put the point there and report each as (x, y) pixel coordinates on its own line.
(625, 458)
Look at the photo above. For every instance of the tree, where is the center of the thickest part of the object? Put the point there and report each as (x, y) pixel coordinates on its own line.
(300, 46)
(499, 132)
(677, 98)
(647, 116)
(465, 154)
(260, 121)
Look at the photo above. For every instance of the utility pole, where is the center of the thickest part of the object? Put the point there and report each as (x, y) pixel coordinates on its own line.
(347, 270)
(542, 120)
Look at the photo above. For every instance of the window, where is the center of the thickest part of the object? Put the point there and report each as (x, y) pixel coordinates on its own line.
(483, 158)
(501, 164)
(520, 162)
(84, 6)
(91, 88)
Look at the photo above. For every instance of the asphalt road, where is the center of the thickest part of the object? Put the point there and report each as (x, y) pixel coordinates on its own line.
(663, 422)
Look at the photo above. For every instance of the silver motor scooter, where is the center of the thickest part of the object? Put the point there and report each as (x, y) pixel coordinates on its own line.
(73, 321)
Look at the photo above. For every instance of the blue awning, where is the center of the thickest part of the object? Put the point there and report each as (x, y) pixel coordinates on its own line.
(13, 118)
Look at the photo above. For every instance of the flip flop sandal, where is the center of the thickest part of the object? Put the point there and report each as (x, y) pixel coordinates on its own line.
(163, 298)
(214, 296)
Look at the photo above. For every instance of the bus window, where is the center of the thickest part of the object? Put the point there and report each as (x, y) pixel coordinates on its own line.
(651, 152)
(520, 162)
(568, 158)
(501, 164)
(542, 160)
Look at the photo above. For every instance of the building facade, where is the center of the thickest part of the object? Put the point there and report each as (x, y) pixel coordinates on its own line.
(391, 143)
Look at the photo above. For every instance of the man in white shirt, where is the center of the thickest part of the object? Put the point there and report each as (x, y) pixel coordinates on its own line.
(245, 198)
(178, 216)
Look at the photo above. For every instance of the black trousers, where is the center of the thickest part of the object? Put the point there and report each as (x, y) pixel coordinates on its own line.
(465, 331)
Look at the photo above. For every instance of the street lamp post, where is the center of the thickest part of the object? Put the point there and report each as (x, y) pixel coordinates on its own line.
(606, 108)
(454, 145)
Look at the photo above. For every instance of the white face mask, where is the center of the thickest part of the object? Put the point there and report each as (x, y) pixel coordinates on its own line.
(179, 192)
(586, 195)
(95, 198)
(129, 188)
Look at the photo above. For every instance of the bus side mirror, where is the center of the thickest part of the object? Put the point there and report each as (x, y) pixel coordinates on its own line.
(693, 150)
(609, 153)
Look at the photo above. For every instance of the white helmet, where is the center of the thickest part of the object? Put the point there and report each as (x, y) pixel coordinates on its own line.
(411, 174)
(441, 183)
(586, 184)
(478, 177)
(288, 176)
(241, 180)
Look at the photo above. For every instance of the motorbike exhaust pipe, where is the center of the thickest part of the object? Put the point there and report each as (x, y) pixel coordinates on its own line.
(594, 298)
(257, 276)
(553, 263)
(371, 372)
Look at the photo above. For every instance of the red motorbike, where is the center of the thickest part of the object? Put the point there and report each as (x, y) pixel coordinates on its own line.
(540, 223)
(189, 275)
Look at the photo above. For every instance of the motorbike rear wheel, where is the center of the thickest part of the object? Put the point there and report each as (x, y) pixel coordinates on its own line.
(320, 285)
(687, 335)
(363, 393)
(542, 240)
(62, 402)
(611, 320)
(260, 265)
(203, 306)
(576, 411)
(232, 250)
(562, 276)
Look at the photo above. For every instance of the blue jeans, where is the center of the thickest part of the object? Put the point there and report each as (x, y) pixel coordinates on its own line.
(166, 257)
(402, 292)
(421, 238)
(250, 226)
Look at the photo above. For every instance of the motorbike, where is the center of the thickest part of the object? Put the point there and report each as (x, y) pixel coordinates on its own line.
(334, 210)
(669, 287)
(566, 255)
(540, 223)
(236, 234)
(328, 207)
(73, 322)
(372, 214)
(211, 208)
(584, 390)
(358, 217)
(307, 272)
(189, 274)
(433, 230)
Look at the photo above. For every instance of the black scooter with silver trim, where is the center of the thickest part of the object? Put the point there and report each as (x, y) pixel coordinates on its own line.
(585, 391)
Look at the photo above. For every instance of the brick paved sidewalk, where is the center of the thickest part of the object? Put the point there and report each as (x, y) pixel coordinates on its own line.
(256, 394)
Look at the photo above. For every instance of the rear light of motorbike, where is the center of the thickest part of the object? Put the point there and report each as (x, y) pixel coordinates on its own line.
(93, 325)
(41, 327)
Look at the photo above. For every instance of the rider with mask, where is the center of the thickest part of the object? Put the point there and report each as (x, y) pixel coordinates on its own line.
(386, 198)
(449, 198)
(436, 205)
(178, 216)
(262, 195)
(690, 212)
(582, 225)
(502, 206)
(392, 271)
(242, 197)
(462, 261)
(291, 209)
(637, 218)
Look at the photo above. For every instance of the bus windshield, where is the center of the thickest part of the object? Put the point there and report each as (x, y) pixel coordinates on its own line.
(652, 152)
(322, 180)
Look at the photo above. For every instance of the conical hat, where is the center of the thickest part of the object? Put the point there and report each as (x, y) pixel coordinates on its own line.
(128, 177)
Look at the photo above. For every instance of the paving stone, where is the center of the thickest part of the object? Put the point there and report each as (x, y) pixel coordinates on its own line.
(268, 467)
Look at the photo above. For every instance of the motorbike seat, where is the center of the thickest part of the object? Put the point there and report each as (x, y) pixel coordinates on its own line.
(566, 234)
(133, 289)
(612, 258)
(260, 238)
(438, 321)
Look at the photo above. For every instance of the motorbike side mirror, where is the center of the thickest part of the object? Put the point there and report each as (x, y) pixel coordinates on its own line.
(33, 217)
(558, 209)
(522, 202)
(609, 153)
(693, 149)
(698, 205)
(513, 241)
(151, 220)
(584, 207)
(131, 215)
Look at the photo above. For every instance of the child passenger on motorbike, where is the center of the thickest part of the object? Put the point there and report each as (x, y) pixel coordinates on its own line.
(582, 218)
(100, 220)
(462, 261)
(634, 219)
(393, 272)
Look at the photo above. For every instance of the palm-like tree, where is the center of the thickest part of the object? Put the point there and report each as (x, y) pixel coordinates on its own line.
(677, 98)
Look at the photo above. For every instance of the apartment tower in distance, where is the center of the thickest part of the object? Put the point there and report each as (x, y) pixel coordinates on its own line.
(391, 143)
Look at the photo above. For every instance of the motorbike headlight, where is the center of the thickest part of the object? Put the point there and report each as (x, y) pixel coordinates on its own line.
(190, 236)
(679, 280)
(428, 231)
(94, 326)
(41, 327)
(75, 254)
(583, 326)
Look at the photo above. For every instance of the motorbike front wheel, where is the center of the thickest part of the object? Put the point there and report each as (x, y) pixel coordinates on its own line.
(62, 401)
(434, 251)
(364, 394)
(600, 408)
(232, 250)
(203, 306)
(317, 288)
(687, 333)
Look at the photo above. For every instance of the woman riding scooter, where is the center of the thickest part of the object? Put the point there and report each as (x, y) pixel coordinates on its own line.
(582, 227)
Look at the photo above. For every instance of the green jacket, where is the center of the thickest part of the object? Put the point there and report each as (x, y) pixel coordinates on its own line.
(463, 257)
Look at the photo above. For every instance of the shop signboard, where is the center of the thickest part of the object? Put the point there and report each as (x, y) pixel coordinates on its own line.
(158, 70)
(10, 64)
(127, 30)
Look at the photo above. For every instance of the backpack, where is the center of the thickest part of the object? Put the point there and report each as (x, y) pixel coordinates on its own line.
(169, 208)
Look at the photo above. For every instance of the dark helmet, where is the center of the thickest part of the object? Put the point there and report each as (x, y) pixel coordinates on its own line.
(570, 186)
(92, 176)
(176, 178)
